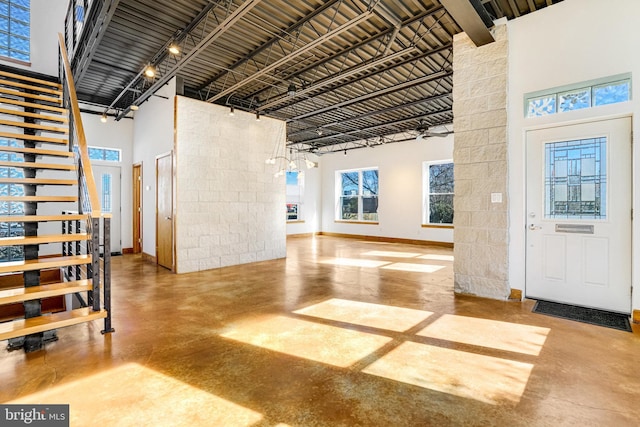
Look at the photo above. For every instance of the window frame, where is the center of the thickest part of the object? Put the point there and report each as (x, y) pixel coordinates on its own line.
(426, 193)
(9, 57)
(359, 196)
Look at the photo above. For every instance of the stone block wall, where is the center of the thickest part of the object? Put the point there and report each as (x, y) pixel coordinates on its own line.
(230, 209)
(480, 157)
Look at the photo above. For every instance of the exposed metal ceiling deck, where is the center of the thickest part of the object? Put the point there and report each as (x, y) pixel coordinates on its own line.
(363, 70)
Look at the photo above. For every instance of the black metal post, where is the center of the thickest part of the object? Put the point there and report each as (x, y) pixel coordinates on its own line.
(106, 283)
(95, 263)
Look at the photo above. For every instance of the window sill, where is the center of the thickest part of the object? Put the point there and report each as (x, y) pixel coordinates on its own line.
(445, 226)
(15, 61)
(337, 221)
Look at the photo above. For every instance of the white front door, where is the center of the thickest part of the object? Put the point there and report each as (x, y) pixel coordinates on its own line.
(579, 214)
(108, 182)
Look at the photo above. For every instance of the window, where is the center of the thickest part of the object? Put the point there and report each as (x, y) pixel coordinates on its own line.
(106, 154)
(358, 195)
(15, 29)
(106, 192)
(438, 192)
(295, 191)
(609, 90)
(11, 229)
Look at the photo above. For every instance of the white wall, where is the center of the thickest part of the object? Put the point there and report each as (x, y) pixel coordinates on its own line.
(570, 42)
(153, 126)
(229, 207)
(115, 135)
(400, 180)
(311, 199)
(47, 20)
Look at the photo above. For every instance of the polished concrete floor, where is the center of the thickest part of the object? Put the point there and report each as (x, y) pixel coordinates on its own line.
(340, 333)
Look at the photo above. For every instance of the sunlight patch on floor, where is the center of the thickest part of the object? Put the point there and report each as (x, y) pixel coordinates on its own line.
(514, 337)
(487, 379)
(392, 254)
(133, 395)
(366, 314)
(308, 340)
(355, 262)
(437, 257)
(413, 268)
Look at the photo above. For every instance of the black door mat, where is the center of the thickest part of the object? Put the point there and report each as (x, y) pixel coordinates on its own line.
(584, 315)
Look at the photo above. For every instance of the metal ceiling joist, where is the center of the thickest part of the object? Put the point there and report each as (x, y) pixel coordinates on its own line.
(385, 91)
(467, 17)
(263, 47)
(225, 25)
(291, 56)
(356, 70)
(379, 126)
(91, 38)
(373, 113)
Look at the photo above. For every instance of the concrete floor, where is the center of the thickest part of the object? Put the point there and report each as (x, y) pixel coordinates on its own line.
(341, 333)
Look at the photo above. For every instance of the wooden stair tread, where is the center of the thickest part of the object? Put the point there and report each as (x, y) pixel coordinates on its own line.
(42, 263)
(43, 218)
(38, 198)
(39, 240)
(40, 89)
(24, 125)
(20, 94)
(61, 119)
(22, 327)
(21, 136)
(21, 294)
(33, 105)
(37, 165)
(30, 79)
(37, 151)
(38, 181)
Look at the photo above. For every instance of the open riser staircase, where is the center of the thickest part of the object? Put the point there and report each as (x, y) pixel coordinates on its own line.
(52, 274)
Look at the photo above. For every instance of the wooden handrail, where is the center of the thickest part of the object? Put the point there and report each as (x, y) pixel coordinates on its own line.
(81, 141)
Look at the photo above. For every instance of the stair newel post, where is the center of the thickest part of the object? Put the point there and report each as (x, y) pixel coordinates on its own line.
(78, 251)
(106, 279)
(94, 272)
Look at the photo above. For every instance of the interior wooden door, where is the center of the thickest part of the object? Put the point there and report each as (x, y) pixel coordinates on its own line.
(164, 211)
(137, 208)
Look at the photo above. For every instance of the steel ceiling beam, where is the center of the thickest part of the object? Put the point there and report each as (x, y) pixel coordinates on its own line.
(471, 23)
(385, 91)
(376, 127)
(219, 30)
(374, 113)
(326, 82)
(314, 44)
(267, 45)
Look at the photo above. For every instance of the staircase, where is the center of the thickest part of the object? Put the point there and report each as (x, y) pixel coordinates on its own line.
(48, 200)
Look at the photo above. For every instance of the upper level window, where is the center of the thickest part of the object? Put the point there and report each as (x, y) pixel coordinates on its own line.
(438, 193)
(106, 154)
(358, 195)
(605, 91)
(15, 29)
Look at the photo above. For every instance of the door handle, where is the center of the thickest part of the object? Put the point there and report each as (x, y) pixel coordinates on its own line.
(534, 227)
(167, 217)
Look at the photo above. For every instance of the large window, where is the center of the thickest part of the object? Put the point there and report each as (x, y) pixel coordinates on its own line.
(295, 190)
(15, 29)
(438, 193)
(358, 195)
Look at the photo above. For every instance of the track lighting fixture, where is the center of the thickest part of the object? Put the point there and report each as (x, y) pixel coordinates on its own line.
(319, 132)
(257, 116)
(103, 119)
(150, 71)
(174, 49)
(231, 110)
(345, 152)
(134, 107)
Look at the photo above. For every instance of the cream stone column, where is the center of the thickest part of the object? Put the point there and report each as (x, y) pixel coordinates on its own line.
(481, 236)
